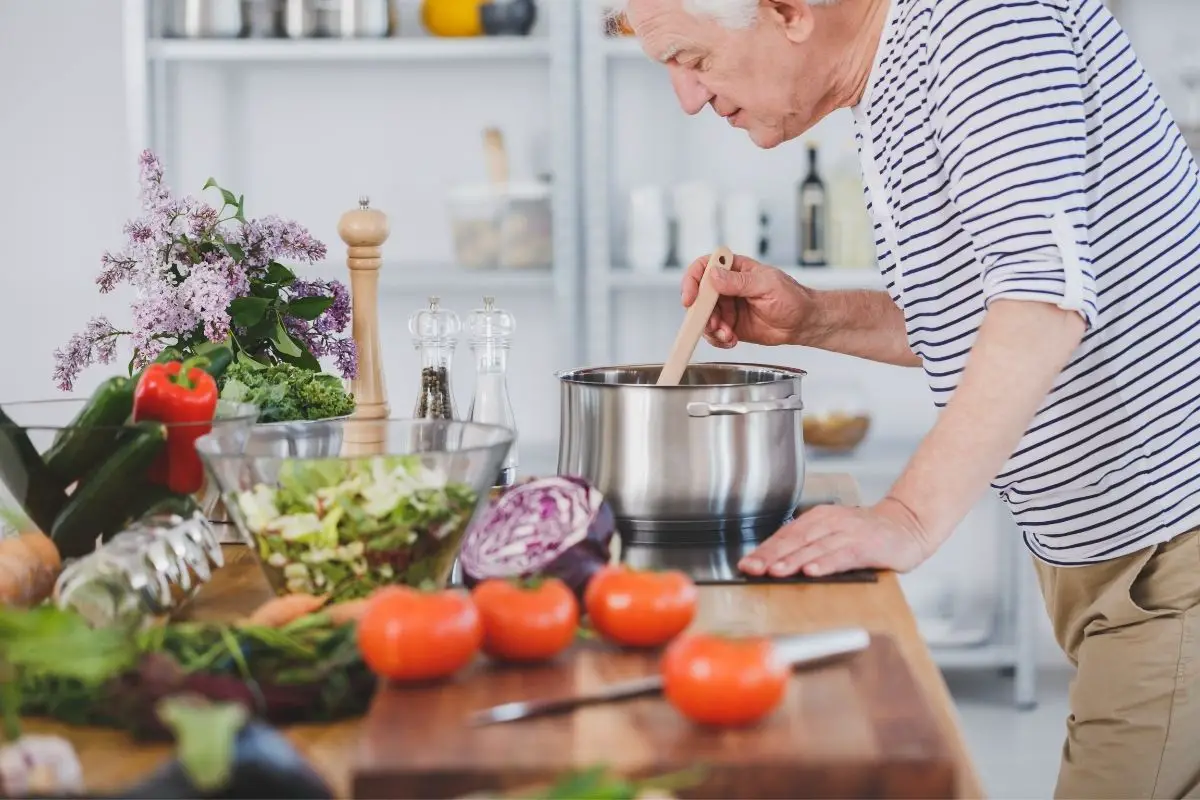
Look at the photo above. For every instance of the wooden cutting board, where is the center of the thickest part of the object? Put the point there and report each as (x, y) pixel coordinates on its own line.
(857, 728)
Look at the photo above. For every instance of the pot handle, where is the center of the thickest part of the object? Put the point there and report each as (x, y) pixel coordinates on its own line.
(701, 409)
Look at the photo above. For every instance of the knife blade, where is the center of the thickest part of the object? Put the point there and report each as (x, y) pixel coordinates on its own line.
(799, 650)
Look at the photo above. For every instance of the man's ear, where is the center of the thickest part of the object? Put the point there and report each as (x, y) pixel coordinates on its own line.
(794, 16)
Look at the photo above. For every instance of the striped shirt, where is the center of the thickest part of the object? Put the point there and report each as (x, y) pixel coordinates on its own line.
(1018, 150)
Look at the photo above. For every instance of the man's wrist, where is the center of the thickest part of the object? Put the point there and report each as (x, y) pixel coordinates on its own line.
(816, 325)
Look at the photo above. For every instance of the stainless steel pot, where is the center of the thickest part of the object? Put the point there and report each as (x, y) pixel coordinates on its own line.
(720, 453)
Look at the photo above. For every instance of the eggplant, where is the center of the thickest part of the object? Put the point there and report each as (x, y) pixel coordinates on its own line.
(558, 527)
(265, 765)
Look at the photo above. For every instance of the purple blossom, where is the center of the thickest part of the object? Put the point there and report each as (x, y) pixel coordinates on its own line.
(209, 289)
(97, 344)
(272, 239)
(176, 258)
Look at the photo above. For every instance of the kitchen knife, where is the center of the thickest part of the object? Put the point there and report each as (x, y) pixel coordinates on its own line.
(798, 650)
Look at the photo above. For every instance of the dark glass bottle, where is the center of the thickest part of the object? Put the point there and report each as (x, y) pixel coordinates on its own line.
(812, 223)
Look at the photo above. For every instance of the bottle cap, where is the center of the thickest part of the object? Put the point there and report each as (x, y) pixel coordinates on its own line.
(435, 325)
(490, 324)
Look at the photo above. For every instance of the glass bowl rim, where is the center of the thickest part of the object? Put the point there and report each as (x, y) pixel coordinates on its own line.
(241, 413)
(507, 438)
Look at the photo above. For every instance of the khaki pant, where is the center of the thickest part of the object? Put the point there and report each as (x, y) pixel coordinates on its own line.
(1131, 627)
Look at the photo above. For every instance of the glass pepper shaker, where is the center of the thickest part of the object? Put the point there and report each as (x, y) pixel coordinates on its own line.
(491, 330)
(435, 333)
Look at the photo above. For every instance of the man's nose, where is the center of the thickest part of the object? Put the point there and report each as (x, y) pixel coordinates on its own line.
(692, 94)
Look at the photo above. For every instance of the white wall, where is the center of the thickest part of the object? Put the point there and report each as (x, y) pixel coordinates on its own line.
(313, 139)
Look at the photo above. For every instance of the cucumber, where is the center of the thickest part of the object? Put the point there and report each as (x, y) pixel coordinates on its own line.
(151, 498)
(25, 475)
(99, 505)
(93, 434)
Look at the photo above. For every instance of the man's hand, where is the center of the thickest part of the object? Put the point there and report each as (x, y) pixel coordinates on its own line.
(764, 305)
(832, 539)
(757, 305)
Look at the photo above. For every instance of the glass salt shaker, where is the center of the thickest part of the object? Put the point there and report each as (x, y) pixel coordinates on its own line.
(491, 330)
(435, 332)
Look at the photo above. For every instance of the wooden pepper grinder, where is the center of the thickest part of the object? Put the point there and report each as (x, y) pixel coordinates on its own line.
(364, 230)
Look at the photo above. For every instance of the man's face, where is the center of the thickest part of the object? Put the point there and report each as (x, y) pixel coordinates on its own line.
(750, 76)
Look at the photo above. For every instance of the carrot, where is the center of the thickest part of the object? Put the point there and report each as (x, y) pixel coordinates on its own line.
(29, 567)
(346, 611)
(279, 611)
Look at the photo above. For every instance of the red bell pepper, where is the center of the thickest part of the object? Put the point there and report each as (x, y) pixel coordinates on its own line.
(184, 397)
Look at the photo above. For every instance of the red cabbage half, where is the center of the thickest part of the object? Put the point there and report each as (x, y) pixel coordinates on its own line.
(558, 527)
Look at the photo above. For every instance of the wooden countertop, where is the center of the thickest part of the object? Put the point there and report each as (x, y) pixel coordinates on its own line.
(112, 760)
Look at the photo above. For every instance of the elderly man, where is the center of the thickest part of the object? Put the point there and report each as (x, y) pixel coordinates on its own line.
(1037, 220)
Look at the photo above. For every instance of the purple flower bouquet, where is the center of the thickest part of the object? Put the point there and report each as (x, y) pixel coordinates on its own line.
(204, 274)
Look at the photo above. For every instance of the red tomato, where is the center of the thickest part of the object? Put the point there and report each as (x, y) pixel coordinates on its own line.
(714, 680)
(408, 635)
(532, 621)
(639, 609)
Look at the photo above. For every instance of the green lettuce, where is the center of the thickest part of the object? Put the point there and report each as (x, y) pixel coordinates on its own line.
(286, 393)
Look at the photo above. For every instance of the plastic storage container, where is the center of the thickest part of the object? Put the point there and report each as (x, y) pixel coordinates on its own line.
(507, 226)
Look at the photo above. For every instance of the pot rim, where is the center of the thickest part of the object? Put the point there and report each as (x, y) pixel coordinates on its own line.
(572, 375)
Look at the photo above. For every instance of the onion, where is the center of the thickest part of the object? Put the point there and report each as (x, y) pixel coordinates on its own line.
(559, 527)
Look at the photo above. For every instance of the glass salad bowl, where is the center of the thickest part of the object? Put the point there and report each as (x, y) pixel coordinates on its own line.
(69, 470)
(391, 508)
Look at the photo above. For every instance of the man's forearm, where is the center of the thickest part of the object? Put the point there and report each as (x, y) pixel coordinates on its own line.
(1021, 349)
(861, 323)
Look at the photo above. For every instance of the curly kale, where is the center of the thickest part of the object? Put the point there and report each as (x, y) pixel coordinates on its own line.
(286, 393)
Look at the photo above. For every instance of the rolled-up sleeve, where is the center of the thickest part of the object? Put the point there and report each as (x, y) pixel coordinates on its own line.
(1010, 124)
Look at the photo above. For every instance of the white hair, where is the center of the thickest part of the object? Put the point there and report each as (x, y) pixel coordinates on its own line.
(729, 13)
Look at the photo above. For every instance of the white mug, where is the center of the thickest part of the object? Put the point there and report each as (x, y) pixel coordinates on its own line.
(696, 212)
(648, 235)
(741, 223)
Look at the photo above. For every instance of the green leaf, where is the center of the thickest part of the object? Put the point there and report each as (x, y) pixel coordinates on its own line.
(308, 307)
(306, 360)
(267, 290)
(235, 251)
(279, 274)
(283, 341)
(205, 737)
(248, 311)
(249, 361)
(209, 184)
(229, 198)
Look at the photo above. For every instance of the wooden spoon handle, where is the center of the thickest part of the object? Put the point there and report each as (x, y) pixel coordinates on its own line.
(694, 322)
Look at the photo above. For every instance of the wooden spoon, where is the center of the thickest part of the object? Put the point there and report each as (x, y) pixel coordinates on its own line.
(694, 322)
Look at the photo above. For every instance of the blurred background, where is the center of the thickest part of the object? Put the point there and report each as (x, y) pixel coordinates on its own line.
(304, 106)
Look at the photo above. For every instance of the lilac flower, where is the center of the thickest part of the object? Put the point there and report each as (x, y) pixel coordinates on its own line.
(209, 289)
(97, 344)
(116, 269)
(345, 352)
(158, 314)
(272, 239)
(176, 256)
(154, 194)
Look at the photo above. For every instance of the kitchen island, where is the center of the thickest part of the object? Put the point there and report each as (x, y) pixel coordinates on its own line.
(111, 760)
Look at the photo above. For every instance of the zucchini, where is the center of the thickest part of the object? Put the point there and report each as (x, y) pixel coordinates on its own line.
(25, 475)
(99, 505)
(152, 498)
(93, 434)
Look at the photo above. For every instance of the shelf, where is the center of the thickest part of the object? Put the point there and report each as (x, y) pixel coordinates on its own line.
(814, 277)
(395, 49)
(441, 278)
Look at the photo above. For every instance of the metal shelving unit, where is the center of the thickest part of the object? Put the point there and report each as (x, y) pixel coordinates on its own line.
(152, 62)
